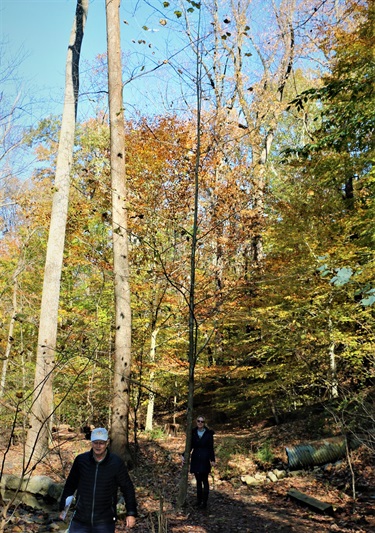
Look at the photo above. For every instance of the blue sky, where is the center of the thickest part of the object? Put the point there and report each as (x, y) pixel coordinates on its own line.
(38, 32)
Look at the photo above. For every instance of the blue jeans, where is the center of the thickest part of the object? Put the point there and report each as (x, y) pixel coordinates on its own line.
(78, 527)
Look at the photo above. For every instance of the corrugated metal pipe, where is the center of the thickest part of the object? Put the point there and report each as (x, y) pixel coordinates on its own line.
(317, 453)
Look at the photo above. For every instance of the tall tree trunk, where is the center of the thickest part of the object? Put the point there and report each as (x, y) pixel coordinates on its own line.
(122, 355)
(10, 332)
(261, 121)
(333, 381)
(151, 394)
(42, 407)
(193, 325)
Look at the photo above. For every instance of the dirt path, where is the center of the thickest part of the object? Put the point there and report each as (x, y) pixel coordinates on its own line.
(233, 506)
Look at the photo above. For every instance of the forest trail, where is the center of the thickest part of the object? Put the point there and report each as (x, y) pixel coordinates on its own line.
(233, 506)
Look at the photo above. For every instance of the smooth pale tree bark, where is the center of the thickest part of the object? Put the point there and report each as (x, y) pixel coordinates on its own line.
(10, 331)
(122, 355)
(151, 394)
(42, 408)
(158, 297)
(333, 379)
(13, 319)
(262, 113)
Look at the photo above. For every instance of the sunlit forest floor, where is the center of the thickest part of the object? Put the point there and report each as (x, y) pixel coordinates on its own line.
(233, 506)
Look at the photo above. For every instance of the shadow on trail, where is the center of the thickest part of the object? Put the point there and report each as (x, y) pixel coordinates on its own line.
(229, 509)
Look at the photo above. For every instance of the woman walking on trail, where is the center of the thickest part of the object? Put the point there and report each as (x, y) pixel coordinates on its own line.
(202, 459)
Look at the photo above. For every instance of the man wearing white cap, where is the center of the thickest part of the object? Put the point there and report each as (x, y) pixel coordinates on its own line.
(96, 477)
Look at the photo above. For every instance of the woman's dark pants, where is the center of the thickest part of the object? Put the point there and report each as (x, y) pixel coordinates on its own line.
(202, 488)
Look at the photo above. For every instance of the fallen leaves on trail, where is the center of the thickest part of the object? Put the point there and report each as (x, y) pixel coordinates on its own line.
(233, 506)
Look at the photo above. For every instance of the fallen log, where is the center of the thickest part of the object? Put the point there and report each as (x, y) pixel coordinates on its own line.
(309, 501)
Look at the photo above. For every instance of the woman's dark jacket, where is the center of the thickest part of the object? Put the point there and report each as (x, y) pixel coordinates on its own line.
(97, 486)
(203, 451)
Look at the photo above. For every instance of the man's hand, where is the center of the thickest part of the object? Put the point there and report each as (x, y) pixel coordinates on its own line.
(130, 521)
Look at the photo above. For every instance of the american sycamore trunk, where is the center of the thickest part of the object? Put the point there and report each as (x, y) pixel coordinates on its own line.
(122, 350)
(262, 113)
(333, 380)
(42, 408)
(151, 394)
(8, 348)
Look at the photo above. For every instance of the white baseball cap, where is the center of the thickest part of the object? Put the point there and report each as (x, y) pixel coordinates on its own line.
(99, 434)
